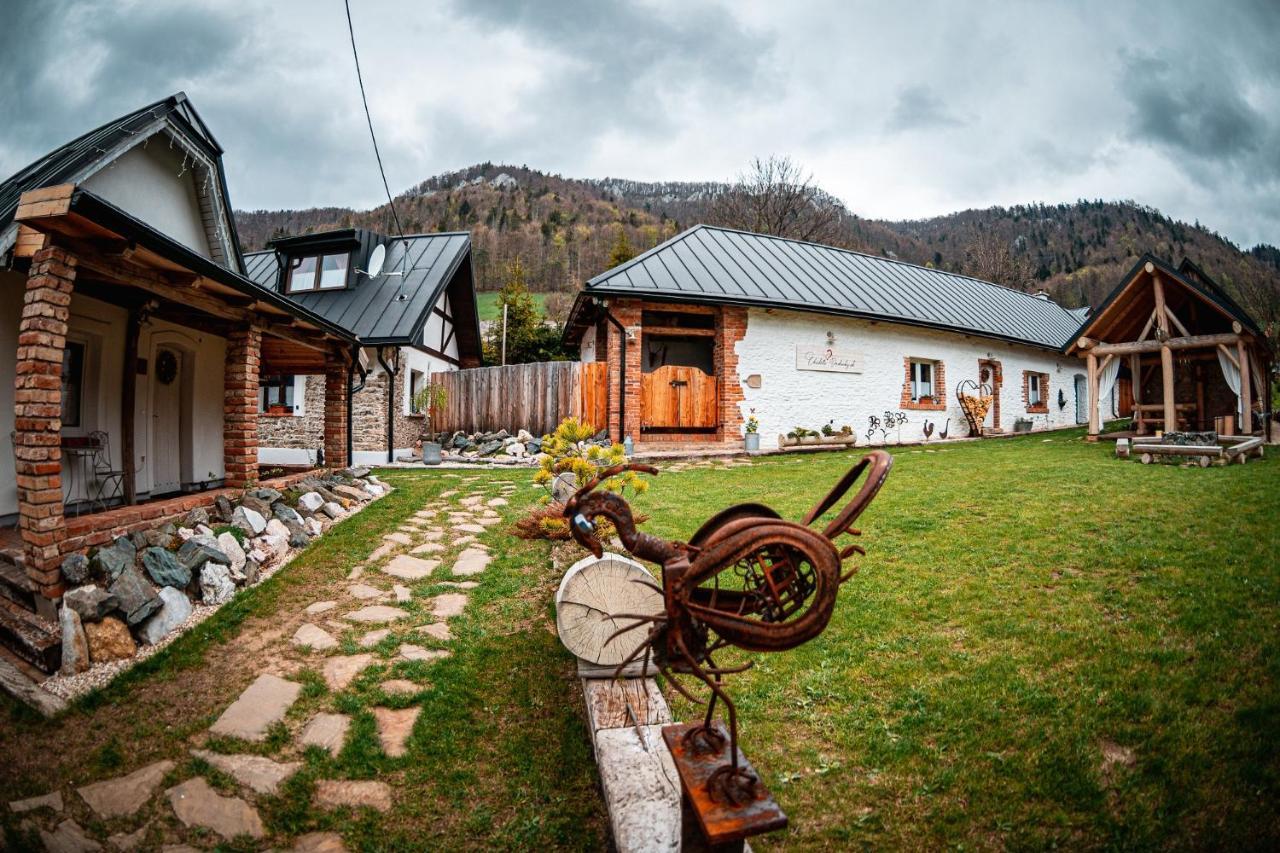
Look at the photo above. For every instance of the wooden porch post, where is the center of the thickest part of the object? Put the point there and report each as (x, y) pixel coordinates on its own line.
(1246, 392)
(1135, 380)
(1166, 357)
(128, 397)
(1095, 422)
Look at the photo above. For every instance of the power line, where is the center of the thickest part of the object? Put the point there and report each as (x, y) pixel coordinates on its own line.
(368, 118)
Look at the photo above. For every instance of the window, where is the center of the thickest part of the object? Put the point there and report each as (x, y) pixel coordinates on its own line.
(318, 272)
(276, 393)
(921, 380)
(1036, 390)
(1033, 389)
(72, 382)
(417, 381)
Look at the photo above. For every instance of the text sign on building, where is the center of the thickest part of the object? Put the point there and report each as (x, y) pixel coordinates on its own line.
(828, 358)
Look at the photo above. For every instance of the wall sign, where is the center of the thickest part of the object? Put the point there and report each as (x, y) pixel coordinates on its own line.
(828, 359)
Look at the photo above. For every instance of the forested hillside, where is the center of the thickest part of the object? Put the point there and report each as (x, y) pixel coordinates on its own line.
(565, 231)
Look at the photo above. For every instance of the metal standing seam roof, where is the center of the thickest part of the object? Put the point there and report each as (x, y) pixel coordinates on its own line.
(385, 309)
(722, 265)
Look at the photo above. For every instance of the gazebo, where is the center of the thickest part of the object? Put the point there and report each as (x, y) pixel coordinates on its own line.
(1195, 358)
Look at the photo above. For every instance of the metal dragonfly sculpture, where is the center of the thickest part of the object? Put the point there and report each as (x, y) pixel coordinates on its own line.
(779, 591)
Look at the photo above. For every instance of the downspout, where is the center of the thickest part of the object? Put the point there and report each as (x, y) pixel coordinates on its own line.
(622, 374)
(353, 389)
(391, 405)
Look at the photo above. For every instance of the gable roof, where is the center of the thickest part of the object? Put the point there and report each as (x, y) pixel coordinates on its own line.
(720, 265)
(391, 309)
(75, 160)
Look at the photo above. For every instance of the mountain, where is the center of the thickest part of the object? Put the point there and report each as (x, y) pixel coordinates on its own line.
(564, 231)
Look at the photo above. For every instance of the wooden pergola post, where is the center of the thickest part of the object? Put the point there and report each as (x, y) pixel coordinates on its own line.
(1166, 356)
(1246, 403)
(1095, 422)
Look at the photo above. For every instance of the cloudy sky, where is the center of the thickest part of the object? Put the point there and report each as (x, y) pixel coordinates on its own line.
(902, 110)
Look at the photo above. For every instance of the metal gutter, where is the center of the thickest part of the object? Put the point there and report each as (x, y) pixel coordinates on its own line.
(391, 404)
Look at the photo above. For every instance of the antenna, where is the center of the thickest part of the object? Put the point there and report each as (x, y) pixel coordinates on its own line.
(376, 259)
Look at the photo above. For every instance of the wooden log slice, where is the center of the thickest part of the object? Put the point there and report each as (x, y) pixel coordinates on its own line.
(592, 595)
(1146, 458)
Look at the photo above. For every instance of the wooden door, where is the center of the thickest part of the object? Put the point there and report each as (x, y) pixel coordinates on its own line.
(676, 397)
(166, 421)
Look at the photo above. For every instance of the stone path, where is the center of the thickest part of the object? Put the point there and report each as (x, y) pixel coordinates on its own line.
(396, 606)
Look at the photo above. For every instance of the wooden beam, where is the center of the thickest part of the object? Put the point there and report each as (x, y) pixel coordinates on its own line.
(1246, 397)
(28, 242)
(1173, 318)
(1231, 357)
(1189, 342)
(1166, 375)
(1086, 343)
(1095, 421)
(44, 202)
(1146, 330)
(128, 408)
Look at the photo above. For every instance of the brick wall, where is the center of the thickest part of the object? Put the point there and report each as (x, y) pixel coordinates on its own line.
(296, 431)
(730, 329)
(336, 389)
(240, 407)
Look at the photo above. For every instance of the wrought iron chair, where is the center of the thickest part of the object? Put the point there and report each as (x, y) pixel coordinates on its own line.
(108, 481)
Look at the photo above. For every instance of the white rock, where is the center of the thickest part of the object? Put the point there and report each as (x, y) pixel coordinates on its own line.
(251, 517)
(185, 533)
(231, 547)
(258, 556)
(313, 527)
(204, 530)
(175, 610)
(333, 509)
(275, 527)
(216, 585)
(311, 501)
(524, 437)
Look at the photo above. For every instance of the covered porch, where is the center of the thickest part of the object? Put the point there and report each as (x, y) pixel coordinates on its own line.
(136, 380)
(1193, 358)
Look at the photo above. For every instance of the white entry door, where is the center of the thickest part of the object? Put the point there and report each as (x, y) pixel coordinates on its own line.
(166, 421)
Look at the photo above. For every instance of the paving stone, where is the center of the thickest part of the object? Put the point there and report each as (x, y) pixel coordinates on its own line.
(327, 731)
(412, 652)
(372, 638)
(319, 842)
(335, 793)
(433, 535)
(315, 637)
(410, 568)
(264, 702)
(471, 500)
(197, 804)
(460, 584)
(52, 800)
(341, 671)
(486, 521)
(447, 494)
(464, 540)
(398, 538)
(376, 613)
(257, 772)
(356, 573)
(320, 607)
(365, 592)
(400, 687)
(401, 593)
(380, 552)
(179, 848)
(439, 631)
(472, 561)
(497, 502)
(394, 728)
(448, 605)
(128, 840)
(427, 548)
(68, 838)
(126, 794)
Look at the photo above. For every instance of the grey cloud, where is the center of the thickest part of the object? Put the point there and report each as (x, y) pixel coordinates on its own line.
(919, 108)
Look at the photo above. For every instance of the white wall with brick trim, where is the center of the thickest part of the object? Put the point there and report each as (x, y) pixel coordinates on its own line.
(789, 397)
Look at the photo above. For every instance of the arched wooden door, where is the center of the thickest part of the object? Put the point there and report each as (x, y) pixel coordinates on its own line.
(676, 397)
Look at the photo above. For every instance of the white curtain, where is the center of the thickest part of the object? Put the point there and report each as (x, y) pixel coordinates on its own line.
(1107, 382)
(1231, 373)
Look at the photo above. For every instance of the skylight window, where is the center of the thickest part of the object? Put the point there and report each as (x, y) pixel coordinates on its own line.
(318, 272)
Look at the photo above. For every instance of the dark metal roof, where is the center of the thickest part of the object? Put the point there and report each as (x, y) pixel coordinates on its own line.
(721, 265)
(387, 309)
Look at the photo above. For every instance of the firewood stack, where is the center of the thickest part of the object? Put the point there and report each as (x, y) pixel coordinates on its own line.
(976, 407)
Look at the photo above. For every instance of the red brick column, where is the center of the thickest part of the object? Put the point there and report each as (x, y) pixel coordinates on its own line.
(731, 329)
(42, 338)
(336, 389)
(240, 407)
(626, 312)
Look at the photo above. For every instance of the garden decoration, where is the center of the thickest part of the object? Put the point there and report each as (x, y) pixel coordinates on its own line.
(747, 579)
(975, 401)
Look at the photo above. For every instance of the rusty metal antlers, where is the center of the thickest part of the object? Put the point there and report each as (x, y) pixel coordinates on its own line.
(747, 578)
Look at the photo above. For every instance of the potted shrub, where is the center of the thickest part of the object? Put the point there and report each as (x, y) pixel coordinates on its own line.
(429, 398)
(752, 439)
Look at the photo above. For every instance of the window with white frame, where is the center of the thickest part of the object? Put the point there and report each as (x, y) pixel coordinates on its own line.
(318, 272)
(275, 394)
(1035, 394)
(922, 373)
(417, 381)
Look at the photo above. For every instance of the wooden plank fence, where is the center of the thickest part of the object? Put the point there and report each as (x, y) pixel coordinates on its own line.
(535, 396)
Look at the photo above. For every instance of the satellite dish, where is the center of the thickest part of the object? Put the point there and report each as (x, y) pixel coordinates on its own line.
(376, 259)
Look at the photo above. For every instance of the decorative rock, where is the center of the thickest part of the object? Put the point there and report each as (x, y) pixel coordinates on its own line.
(115, 558)
(409, 651)
(229, 545)
(75, 648)
(196, 517)
(315, 637)
(372, 638)
(197, 804)
(376, 613)
(90, 602)
(351, 492)
(222, 508)
(341, 671)
(326, 731)
(75, 569)
(410, 568)
(197, 551)
(109, 640)
(320, 607)
(310, 502)
(334, 793)
(175, 610)
(472, 561)
(216, 586)
(333, 509)
(276, 527)
(287, 514)
(261, 507)
(298, 539)
(402, 593)
(264, 702)
(563, 486)
(248, 520)
(165, 569)
(394, 729)
(137, 598)
(268, 495)
(53, 799)
(395, 687)
(313, 527)
(254, 771)
(365, 592)
(126, 794)
(68, 838)
(448, 605)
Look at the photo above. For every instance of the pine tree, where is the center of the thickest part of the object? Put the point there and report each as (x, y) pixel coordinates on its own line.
(621, 251)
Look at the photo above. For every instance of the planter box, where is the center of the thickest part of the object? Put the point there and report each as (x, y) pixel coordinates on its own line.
(819, 441)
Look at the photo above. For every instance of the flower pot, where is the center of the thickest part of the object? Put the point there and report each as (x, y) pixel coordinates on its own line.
(430, 453)
(752, 441)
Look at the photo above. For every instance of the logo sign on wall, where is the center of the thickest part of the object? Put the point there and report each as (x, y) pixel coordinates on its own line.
(828, 359)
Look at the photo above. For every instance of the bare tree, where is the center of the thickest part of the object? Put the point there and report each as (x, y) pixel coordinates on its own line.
(776, 196)
(990, 258)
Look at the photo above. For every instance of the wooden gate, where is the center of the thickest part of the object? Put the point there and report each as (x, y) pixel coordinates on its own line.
(675, 397)
(535, 396)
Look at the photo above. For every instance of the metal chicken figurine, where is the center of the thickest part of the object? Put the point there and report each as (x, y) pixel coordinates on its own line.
(747, 579)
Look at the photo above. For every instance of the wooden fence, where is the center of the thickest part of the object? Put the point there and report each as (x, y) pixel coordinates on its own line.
(536, 397)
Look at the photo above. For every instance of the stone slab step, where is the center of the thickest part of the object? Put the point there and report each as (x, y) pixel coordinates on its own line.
(30, 637)
(16, 586)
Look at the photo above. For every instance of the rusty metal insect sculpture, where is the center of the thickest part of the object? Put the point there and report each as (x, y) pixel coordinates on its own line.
(781, 580)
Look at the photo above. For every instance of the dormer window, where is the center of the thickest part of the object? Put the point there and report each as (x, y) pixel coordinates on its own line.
(318, 272)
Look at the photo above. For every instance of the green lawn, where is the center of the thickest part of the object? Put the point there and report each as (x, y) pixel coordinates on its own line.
(487, 305)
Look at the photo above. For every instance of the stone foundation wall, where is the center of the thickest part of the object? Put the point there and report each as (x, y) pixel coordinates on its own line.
(369, 415)
(296, 431)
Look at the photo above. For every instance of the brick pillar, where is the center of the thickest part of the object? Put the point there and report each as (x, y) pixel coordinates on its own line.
(240, 407)
(336, 389)
(627, 312)
(42, 338)
(731, 328)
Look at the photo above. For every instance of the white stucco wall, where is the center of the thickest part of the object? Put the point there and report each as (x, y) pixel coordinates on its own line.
(587, 347)
(144, 182)
(789, 397)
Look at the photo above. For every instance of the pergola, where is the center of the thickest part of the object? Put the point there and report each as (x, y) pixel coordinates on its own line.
(1192, 353)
